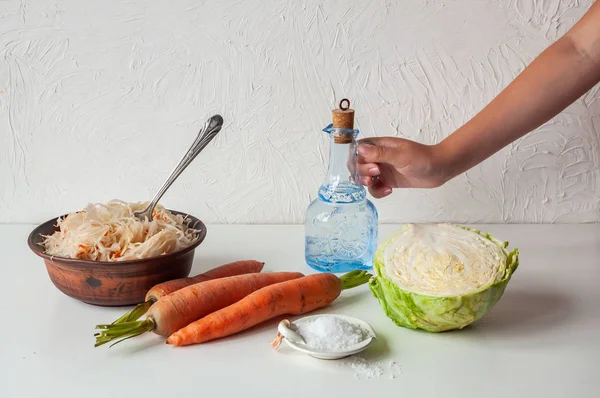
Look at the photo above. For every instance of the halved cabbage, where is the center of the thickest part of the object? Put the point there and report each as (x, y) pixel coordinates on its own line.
(439, 277)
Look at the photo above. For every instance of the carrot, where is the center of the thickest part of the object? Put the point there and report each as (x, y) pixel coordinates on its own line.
(163, 289)
(174, 311)
(231, 269)
(293, 297)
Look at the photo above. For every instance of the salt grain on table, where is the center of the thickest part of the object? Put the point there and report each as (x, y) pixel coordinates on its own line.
(329, 333)
(364, 369)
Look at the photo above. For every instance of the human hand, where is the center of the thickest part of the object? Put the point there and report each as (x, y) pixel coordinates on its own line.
(530, 100)
(387, 162)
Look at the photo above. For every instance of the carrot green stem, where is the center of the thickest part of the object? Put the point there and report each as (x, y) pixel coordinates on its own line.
(354, 279)
(122, 331)
(135, 313)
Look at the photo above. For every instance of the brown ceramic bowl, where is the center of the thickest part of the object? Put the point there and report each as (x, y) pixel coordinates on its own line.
(114, 283)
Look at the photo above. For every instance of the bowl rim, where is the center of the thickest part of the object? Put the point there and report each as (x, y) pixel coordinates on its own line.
(67, 260)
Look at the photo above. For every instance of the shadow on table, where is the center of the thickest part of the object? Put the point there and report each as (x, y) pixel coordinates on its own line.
(143, 343)
(524, 312)
(378, 350)
(345, 301)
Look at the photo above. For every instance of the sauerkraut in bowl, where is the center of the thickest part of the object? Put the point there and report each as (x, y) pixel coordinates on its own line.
(110, 232)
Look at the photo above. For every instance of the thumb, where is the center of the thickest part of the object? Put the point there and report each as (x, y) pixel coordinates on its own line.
(376, 154)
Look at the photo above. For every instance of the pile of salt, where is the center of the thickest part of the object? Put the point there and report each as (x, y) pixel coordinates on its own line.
(330, 333)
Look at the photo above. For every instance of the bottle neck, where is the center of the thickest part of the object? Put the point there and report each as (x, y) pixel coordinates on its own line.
(340, 183)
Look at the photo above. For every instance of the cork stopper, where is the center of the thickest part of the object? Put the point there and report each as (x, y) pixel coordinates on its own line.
(343, 118)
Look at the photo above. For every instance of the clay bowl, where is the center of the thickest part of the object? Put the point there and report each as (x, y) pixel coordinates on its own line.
(114, 284)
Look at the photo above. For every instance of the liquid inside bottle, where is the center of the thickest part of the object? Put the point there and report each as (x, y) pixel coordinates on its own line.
(341, 223)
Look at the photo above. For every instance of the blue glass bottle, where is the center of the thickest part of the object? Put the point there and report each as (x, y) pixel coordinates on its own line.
(341, 223)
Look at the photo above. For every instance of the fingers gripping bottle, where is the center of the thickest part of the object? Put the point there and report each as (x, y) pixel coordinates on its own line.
(341, 223)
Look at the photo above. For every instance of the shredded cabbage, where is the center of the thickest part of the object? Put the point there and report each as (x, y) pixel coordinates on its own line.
(110, 232)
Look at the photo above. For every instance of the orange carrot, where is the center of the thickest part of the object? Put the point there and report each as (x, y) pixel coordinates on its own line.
(163, 289)
(231, 269)
(174, 311)
(293, 297)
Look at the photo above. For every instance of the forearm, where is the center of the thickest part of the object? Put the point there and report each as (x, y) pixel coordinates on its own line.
(555, 79)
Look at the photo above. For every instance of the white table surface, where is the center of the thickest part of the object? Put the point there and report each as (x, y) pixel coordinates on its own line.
(541, 340)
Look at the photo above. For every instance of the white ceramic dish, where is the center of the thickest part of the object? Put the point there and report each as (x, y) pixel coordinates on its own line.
(292, 338)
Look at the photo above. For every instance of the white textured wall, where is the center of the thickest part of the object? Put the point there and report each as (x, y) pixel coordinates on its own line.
(101, 98)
